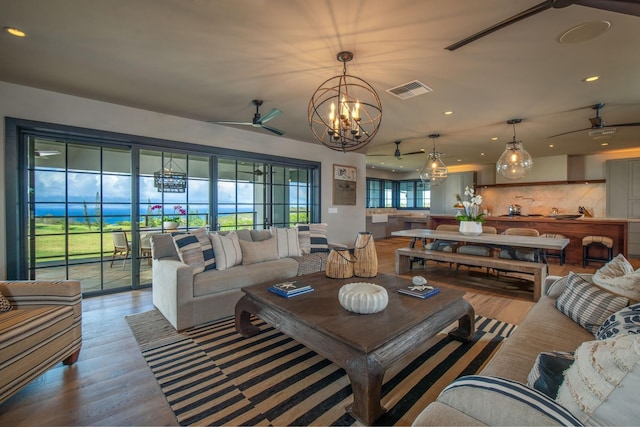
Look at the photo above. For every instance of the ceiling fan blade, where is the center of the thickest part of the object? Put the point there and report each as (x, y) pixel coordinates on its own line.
(512, 20)
(233, 123)
(274, 130)
(271, 115)
(623, 125)
(627, 7)
(567, 133)
(413, 152)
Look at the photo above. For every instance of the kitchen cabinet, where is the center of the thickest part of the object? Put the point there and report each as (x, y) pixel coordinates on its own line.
(443, 197)
(623, 188)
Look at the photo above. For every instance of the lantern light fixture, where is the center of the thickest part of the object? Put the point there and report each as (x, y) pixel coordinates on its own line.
(515, 162)
(434, 170)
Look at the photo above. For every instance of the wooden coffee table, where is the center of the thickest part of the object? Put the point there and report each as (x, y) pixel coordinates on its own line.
(364, 345)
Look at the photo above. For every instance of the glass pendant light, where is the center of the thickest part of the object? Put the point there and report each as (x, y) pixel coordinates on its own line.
(515, 162)
(434, 170)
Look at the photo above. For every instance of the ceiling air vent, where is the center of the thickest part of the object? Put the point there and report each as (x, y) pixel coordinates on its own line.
(409, 90)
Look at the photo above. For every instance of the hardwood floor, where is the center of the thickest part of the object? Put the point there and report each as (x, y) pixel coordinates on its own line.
(112, 385)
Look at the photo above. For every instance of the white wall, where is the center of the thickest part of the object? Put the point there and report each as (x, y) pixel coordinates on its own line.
(34, 104)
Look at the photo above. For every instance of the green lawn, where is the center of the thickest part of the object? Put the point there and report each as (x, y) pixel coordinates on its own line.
(85, 242)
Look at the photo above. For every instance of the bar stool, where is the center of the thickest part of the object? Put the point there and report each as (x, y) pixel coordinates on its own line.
(588, 241)
(561, 255)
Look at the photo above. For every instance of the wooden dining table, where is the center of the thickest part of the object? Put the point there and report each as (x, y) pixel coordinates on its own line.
(501, 241)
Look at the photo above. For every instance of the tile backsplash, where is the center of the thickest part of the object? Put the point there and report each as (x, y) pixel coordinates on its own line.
(542, 198)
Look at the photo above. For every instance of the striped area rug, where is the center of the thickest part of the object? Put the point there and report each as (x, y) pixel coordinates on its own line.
(213, 376)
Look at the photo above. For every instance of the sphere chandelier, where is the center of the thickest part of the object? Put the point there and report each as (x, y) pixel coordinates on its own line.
(434, 170)
(515, 162)
(345, 111)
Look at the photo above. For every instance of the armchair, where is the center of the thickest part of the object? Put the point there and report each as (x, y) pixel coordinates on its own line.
(42, 329)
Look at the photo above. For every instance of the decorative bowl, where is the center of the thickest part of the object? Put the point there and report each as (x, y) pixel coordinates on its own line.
(363, 298)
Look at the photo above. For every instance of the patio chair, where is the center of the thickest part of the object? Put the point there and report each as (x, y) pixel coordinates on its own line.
(145, 246)
(120, 247)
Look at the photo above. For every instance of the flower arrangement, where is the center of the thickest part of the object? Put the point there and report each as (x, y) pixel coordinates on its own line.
(472, 211)
(177, 209)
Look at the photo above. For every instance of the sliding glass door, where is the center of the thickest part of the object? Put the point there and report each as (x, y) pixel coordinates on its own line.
(79, 196)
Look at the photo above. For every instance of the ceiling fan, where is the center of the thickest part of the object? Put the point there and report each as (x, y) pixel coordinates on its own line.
(259, 121)
(598, 123)
(397, 154)
(627, 7)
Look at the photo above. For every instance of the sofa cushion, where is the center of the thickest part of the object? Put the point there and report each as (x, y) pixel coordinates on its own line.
(287, 241)
(190, 251)
(210, 283)
(227, 250)
(24, 330)
(260, 235)
(603, 384)
(625, 321)
(587, 304)
(5, 305)
(617, 276)
(499, 401)
(313, 238)
(260, 251)
(547, 372)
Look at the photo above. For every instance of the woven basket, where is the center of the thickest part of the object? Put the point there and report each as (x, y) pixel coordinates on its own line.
(366, 264)
(339, 264)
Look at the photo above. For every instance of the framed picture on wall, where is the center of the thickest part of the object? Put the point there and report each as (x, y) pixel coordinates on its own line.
(344, 185)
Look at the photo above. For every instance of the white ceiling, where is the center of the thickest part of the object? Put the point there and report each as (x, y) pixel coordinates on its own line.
(207, 59)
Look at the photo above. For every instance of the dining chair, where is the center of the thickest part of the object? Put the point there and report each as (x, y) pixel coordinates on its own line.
(120, 247)
(478, 249)
(145, 246)
(440, 245)
(522, 254)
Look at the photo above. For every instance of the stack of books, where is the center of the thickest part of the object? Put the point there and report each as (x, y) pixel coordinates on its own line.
(290, 289)
(419, 291)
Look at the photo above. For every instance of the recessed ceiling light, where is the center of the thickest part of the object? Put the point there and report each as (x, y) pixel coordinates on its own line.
(15, 31)
(382, 163)
(459, 160)
(495, 138)
(550, 145)
(591, 79)
(604, 144)
(448, 113)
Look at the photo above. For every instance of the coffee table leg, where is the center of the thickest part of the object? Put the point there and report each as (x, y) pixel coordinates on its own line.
(466, 325)
(366, 382)
(243, 318)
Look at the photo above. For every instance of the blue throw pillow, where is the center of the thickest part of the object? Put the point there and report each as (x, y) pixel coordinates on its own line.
(625, 321)
(547, 372)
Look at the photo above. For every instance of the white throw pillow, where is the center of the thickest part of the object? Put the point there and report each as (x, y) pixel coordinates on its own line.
(602, 385)
(287, 241)
(227, 250)
(617, 276)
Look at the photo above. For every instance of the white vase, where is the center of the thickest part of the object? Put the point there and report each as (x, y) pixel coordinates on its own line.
(170, 225)
(470, 228)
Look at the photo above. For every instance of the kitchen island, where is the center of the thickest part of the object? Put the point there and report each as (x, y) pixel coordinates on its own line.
(573, 229)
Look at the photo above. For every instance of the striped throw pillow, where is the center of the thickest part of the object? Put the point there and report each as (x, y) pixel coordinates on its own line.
(207, 248)
(189, 251)
(227, 250)
(499, 401)
(287, 241)
(588, 305)
(313, 238)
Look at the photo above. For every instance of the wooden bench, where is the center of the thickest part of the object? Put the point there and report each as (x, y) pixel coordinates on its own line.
(538, 270)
